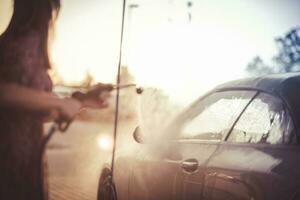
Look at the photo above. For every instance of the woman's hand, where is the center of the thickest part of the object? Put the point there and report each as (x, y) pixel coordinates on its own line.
(99, 103)
(97, 97)
(68, 108)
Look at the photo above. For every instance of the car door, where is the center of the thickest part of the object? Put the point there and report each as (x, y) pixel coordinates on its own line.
(199, 137)
(259, 160)
(174, 167)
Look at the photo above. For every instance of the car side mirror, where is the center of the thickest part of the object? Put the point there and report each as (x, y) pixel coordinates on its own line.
(138, 136)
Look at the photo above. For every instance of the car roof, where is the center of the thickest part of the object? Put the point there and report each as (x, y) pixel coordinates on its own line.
(274, 83)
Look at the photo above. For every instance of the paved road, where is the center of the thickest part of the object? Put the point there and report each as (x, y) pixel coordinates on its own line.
(64, 188)
(75, 160)
(72, 176)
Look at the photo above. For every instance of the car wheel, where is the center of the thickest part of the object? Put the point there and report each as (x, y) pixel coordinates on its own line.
(106, 188)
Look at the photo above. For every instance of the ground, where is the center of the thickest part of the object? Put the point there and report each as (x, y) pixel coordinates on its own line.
(75, 159)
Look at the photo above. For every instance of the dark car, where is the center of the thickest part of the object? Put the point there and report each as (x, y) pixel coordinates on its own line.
(238, 142)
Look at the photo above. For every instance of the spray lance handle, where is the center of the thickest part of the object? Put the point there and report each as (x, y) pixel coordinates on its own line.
(97, 93)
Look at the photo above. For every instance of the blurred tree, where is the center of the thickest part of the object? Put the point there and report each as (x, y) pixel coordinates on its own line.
(125, 76)
(289, 51)
(286, 60)
(87, 81)
(258, 67)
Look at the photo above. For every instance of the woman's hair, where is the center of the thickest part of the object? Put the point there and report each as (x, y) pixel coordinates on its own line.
(34, 15)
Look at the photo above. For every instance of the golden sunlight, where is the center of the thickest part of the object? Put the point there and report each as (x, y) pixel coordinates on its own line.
(104, 142)
(185, 56)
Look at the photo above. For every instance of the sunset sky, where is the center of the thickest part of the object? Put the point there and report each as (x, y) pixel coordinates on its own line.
(162, 47)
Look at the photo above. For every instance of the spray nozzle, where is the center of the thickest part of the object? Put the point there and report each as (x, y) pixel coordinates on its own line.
(139, 90)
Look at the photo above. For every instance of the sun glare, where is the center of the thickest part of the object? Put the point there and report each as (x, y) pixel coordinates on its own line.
(189, 58)
(104, 142)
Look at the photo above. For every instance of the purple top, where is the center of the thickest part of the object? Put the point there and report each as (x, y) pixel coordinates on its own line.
(21, 62)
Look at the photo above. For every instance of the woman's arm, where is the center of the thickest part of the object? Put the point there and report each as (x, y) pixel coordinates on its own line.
(15, 96)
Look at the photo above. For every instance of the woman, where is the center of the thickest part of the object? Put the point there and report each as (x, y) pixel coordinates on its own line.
(26, 99)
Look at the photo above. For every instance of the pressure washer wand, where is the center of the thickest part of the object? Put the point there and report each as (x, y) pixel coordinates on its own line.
(139, 90)
(98, 92)
(124, 86)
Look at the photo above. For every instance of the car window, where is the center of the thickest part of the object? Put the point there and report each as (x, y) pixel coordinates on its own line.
(211, 118)
(264, 121)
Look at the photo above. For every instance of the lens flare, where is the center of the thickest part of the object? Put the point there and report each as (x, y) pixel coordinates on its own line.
(104, 142)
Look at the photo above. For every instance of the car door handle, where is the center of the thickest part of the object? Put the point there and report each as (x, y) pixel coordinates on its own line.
(222, 176)
(190, 165)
